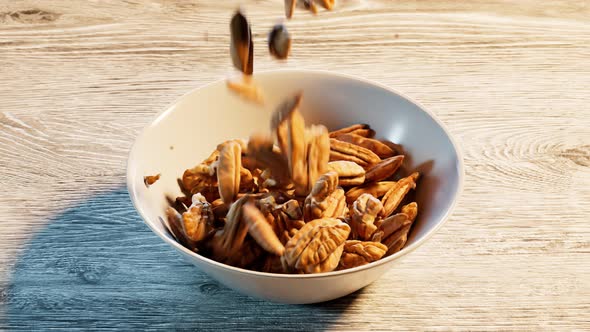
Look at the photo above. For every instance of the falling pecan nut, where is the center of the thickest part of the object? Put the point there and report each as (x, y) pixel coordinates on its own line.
(260, 230)
(279, 42)
(317, 155)
(241, 44)
(290, 7)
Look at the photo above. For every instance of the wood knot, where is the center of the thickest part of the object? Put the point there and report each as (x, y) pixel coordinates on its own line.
(579, 155)
(90, 274)
(209, 288)
(29, 16)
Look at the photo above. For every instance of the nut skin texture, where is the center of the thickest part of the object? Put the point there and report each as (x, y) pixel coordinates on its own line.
(377, 189)
(340, 150)
(326, 199)
(228, 171)
(396, 194)
(318, 155)
(197, 220)
(357, 253)
(363, 214)
(349, 173)
(289, 127)
(349, 129)
(314, 243)
(384, 169)
(380, 149)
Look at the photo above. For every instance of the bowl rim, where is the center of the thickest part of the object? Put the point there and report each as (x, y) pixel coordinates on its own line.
(132, 188)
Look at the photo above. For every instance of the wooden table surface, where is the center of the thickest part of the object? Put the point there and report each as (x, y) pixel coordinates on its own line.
(511, 80)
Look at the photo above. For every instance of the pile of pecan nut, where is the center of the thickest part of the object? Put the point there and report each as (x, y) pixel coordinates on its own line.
(303, 201)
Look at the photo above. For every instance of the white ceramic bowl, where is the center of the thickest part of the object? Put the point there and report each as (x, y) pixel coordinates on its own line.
(184, 134)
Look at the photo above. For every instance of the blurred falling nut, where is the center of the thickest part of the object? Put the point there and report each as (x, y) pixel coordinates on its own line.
(228, 171)
(241, 45)
(148, 180)
(279, 42)
(247, 89)
(317, 146)
(328, 4)
(290, 7)
(310, 5)
(260, 230)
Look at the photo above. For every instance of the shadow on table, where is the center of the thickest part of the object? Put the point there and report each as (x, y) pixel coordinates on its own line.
(96, 265)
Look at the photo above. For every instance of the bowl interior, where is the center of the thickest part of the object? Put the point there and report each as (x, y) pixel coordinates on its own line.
(186, 133)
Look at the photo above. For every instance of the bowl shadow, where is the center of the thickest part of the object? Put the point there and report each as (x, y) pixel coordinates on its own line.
(97, 265)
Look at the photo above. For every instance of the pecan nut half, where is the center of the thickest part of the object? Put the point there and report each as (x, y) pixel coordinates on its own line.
(260, 230)
(340, 150)
(393, 231)
(241, 44)
(317, 156)
(384, 169)
(228, 171)
(396, 194)
(357, 253)
(356, 128)
(349, 173)
(363, 214)
(377, 189)
(380, 149)
(289, 126)
(197, 221)
(326, 199)
(315, 246)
